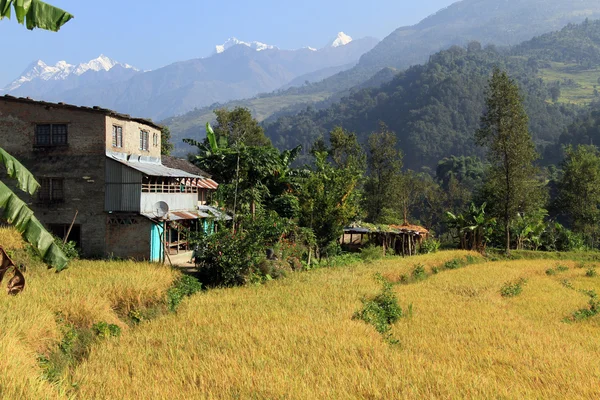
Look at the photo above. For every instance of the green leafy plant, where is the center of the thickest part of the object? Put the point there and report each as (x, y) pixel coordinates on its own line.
(430, 246)
(183, 287)
(514, 288)
(35, 14)
(419, 273)
(370, 253)
(105, 330)
(591, 272)
(382, 310)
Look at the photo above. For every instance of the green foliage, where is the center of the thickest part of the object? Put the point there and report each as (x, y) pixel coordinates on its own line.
(239, 127)
(579, 190)
(591, 272)
(430, 246)
(371, 253)
(585, 313)
(472, 228)
(183, 287)
(512, 289)
(166, 145)
(453, 264)
(510, 186)
(418, 273)
(382, 310)
(329, 199)
(104, 330)
(550, 271)
(35, 14)
(385, 168)
(16, 212)
(69, 249)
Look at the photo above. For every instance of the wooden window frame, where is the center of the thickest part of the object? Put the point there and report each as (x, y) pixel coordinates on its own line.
(144, 145)
(52, 135)
(117, 136)
(52, 190)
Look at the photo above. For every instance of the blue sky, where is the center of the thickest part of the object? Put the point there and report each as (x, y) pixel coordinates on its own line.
(150, 34)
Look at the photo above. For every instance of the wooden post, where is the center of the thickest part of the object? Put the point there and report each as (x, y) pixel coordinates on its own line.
(71, 227)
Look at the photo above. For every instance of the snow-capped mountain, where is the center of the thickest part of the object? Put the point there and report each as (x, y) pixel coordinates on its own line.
(258, 46)
(62, 70)
(341, 40)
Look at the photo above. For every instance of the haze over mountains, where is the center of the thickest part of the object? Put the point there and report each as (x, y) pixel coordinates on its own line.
(498, 22)
(237, 69)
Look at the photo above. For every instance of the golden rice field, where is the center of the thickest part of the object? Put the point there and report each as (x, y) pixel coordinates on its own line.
(295, 338)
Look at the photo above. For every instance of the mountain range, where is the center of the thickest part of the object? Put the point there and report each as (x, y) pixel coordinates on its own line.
(490, 22)
(237, 69)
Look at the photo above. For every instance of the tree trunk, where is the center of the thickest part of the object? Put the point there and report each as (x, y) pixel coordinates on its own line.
(507, 229)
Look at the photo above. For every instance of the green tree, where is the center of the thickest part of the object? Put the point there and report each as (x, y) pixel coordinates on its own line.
(385, 175)
(21, 217)
(166, 146)
(510, 186)
(329, 200)
(35, 14)
(345, 150)
(579, 189)
(238, 126)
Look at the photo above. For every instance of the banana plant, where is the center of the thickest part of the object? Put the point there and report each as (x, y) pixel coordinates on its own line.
(16, 212)
(473, 228)
(35, 14)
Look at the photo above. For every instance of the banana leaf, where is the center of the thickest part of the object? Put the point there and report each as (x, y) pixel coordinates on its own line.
(16, 212)
(35, 14)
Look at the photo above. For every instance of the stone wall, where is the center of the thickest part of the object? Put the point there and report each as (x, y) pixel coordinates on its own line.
(131, 137)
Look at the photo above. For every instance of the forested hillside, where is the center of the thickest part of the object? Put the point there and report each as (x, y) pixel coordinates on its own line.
(434, 109)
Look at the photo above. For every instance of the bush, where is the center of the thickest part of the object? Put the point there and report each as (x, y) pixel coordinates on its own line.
(453, 264)
(371, 253)
(430, 246)
(183, 287)
(512, 289)
(69, 248)
(105, 330)
(382, 310)
(419, 273)
(591, 272)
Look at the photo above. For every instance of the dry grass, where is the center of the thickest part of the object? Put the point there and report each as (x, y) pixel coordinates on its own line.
(10, 239)
(296, 339)
(86, 293)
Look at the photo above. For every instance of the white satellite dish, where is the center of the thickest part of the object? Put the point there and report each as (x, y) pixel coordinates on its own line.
(160, 209)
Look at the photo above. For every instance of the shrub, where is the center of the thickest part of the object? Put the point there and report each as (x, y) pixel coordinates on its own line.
(69, 248)
(371, 253)
(419, 273)
(453, 264)
(550, 271)
(105, 330)
(591, 272)
(512, 289)
(382, 310)
(183, 287)
(430, 246)
(562, 268)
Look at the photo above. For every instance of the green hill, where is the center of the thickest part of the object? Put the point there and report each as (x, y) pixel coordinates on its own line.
(435, 108)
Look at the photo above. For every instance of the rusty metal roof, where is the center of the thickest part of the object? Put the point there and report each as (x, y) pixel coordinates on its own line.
(154, 169)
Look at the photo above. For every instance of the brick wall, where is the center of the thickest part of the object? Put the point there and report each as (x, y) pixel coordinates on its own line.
(80, 164)
(128, 236)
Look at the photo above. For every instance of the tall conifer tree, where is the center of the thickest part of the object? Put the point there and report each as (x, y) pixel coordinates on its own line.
(510, 186)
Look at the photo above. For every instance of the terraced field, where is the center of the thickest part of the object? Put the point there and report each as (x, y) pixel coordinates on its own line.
(469, 329)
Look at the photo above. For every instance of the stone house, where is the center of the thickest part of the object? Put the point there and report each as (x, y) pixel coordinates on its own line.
(104, 171)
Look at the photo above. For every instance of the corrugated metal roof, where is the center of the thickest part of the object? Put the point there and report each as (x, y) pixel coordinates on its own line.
(215, 212)
(179, 215)
(155, 169)
(208, 184)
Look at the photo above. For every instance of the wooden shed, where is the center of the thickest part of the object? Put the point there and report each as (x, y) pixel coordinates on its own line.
(403, 239)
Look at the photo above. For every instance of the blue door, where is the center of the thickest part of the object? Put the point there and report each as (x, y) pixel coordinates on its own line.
(156, 247)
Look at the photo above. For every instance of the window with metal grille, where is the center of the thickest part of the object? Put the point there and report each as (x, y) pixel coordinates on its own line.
(117, 136)
(144, 140)
(50, 134)
(52, 190)
(155, 139)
